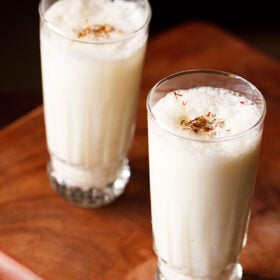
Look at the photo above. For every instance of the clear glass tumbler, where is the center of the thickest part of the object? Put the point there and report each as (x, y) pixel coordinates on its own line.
(201, 187)
(91, 72)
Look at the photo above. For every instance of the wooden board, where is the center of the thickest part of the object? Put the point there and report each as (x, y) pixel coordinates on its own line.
(53, 239)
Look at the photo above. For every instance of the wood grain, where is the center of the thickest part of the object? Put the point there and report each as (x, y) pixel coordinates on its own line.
(57, 240)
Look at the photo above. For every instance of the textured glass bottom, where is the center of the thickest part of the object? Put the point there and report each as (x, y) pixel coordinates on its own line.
(92, 197)
(234, 272)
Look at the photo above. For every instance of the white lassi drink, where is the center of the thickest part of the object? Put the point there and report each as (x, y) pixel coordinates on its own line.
(204, 142)
(92, 53)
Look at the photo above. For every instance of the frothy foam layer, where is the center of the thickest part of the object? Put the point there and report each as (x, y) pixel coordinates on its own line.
(96, 19)
(206, 112)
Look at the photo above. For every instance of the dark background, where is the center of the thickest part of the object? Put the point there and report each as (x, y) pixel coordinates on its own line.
(257, 22)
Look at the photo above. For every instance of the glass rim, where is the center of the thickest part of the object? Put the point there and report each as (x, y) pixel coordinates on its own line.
(214, 72)
(67, 36)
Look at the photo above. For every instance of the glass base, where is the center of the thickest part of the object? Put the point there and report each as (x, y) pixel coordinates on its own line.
(91, 196)
(164, 272)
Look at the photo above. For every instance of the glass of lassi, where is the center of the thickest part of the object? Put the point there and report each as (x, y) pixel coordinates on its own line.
(92, 54)
(205, 130)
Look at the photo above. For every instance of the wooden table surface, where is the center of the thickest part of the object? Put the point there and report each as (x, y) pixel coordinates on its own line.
(44, 237)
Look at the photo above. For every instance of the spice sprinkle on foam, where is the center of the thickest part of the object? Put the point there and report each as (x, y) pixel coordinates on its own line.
(206, 112)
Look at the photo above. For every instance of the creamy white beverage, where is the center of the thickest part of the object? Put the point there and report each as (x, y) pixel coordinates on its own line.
(92, 53)
(202, 175)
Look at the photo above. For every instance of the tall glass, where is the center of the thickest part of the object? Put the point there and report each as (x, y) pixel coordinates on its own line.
(90, 91)
(201, 188)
